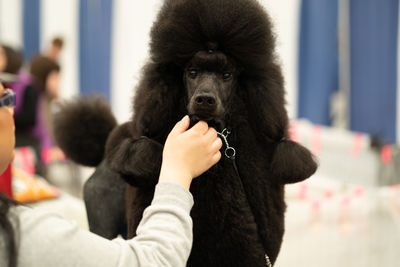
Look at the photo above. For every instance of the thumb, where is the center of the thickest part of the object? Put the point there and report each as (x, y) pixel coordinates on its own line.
(181, 126)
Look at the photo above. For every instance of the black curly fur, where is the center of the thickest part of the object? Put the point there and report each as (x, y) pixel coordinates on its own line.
(233, 225)
(234, 222)
(81, 129)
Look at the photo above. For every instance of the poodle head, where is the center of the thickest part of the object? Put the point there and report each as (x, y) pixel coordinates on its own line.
(210, 81)
(215, 59)
(222, 49)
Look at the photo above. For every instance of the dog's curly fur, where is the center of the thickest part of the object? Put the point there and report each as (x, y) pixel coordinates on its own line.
(237, 220)
(81, 129)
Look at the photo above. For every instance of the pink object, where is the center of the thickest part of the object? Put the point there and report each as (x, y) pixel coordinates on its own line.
(386, 154)
(46, 155)
(328, 194)
(302, 195)
(346, 201)
(294, 132)
(316, 205)
(52, 154)
(27, 160)
(5, 182)
(359, 191)
(357, 145)
(396, 187)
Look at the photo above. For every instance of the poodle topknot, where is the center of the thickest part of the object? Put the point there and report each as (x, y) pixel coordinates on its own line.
(241, 29)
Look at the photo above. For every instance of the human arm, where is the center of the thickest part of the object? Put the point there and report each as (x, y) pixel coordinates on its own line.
(164, 236)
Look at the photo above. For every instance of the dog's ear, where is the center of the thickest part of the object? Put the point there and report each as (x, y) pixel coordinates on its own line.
(157, 102)
(264, 94)
(264, 91)
(292, 162)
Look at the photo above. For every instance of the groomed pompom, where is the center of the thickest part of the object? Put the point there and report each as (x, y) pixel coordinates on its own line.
(292, 162)
(81, 129)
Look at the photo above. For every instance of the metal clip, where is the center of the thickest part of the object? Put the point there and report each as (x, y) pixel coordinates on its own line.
(230, 152)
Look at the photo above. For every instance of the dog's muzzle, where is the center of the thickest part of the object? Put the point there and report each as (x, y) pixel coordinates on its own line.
(204, 107)
(217, 124)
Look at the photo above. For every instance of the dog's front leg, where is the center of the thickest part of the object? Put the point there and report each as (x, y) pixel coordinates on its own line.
(137, 160)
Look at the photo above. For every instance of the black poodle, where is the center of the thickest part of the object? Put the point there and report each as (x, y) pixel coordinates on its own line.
(213, 60)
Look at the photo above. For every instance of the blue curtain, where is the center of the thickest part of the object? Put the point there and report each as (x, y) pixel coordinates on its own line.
(318, 59)
(374, 31)
(31, 28)
(95, 46)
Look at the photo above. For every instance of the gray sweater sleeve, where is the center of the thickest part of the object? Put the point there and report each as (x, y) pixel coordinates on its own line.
(164, 236)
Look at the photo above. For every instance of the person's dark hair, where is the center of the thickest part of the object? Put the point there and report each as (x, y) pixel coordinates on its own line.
(14, 59)
(7, 230)
(58, 41)
(41, 67)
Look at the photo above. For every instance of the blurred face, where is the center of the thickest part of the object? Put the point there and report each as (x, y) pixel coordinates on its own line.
(3, 59)
(7, 138)
(52, 84)
(54, 52)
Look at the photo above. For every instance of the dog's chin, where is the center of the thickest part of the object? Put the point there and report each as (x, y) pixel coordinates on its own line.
(216, 123)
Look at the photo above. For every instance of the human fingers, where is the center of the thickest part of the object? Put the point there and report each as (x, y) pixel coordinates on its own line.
(216, 145)
(181, 126)
(216, 157)
(211, 134)
(200, 127)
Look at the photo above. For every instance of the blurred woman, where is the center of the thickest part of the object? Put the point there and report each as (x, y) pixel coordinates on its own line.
(10, 60)
(33, 116)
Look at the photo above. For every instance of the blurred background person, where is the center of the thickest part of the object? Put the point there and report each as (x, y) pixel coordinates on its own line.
(10, 63)
(55, 48)
(34, 115)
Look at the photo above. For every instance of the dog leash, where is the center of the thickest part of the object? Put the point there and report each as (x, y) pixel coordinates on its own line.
(230, 153)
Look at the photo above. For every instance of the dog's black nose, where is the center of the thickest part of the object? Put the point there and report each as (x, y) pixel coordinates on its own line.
(205, 100)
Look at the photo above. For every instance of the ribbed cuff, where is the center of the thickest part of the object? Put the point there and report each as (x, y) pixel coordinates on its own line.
(175, 194)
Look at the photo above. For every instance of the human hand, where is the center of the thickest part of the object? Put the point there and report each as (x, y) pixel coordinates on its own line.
(189, 153)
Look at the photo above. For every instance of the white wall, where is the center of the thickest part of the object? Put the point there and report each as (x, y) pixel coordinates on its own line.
(286, 17)
(60, 18)
(132, 23)
(11, 22)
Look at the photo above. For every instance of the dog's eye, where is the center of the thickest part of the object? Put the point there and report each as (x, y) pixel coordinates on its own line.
(192, 73)
(226, 75)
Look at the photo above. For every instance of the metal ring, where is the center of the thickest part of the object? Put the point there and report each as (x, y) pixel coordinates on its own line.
(232, 151)
(226, 132)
